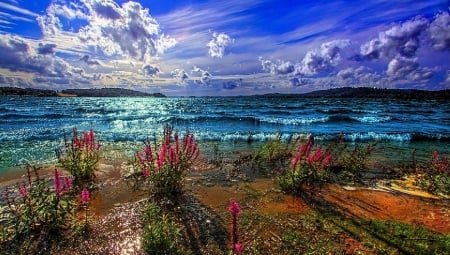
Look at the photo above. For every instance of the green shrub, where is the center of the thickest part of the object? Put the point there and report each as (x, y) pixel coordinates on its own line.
(160, 233)
(435, 175)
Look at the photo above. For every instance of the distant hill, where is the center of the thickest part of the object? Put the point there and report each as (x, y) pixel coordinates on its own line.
(104, 92)
(109, 92)
(12, 91)
(365, 92)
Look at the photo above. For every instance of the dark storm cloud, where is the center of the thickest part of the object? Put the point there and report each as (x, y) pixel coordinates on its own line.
(45, 49)
(150, 70)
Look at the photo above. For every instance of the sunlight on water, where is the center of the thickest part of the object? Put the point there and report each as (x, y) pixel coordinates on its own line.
(32, 128)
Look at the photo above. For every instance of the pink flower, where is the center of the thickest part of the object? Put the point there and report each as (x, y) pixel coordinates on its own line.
(57, 182)
(177, 142)
(317, 155)
(23, 191)
(139, 157)
(295, 160)
(162, 156)
(148, 153)
(145, 172)
(238, 248)
(68, 183)
(85, 196)
(234, 208)
(435, 154)
(327, 160)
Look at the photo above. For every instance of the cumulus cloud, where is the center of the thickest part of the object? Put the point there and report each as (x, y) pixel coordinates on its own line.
(19, 56)
(279, 68)
(150, 70)
(407, 68)
(324, 58)
(205, 76)
(218, 43)
(315, 61)
(48, 48)
(180, 74)
(127, 30)
(440, 32)
(402, 39)
(88, 60)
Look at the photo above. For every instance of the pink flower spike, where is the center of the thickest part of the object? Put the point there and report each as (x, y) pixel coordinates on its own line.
(148, 153)
(68, 183)
(23, 190)
(177, 142)
(327, 160)
(145, 172)
(435, 154)
(238, 248)
(57, 182)
(317, 155)
(234, 208)
(85, 196)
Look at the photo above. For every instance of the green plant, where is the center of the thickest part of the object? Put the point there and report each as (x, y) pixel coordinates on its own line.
(435, 175)
(163, 171)
(351, 159)
(160, 232)
(272, 155)
(38, 207)
(80, 156)
(307, 167)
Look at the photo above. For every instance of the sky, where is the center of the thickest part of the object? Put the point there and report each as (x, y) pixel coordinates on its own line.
(225, 48)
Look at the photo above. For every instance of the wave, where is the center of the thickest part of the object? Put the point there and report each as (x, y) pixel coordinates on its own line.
(12, 116)
(251, 120)
(352, 137)
(373, 119)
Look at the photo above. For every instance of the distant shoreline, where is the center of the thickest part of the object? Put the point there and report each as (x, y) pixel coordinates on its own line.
(345, 92)
(103, 92)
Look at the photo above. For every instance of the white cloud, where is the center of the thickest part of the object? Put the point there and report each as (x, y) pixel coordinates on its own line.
(19, 56)
(400, 39)
(218, 43)
(127, 31)
(88, 60)
(279, 68)
(205, 76)
(324, 58)
(401, 68)
(315, 61)
(180, 75)
(440, 32)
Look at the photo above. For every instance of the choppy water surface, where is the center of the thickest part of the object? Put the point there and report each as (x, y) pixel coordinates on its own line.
(31, 128)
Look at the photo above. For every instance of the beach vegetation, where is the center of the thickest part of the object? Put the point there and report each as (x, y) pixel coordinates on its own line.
(80, 156)
(309, 166)
(434, 175)
(271, 157)
(36, 210)
(352, 159)
(161, 233)
(163, 170)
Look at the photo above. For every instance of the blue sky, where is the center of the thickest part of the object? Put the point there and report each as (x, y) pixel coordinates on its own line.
(234, 47)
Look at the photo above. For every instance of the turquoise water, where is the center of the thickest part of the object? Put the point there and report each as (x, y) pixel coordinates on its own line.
(31, 128)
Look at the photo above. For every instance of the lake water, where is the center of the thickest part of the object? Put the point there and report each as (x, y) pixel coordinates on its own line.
(31, 128)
